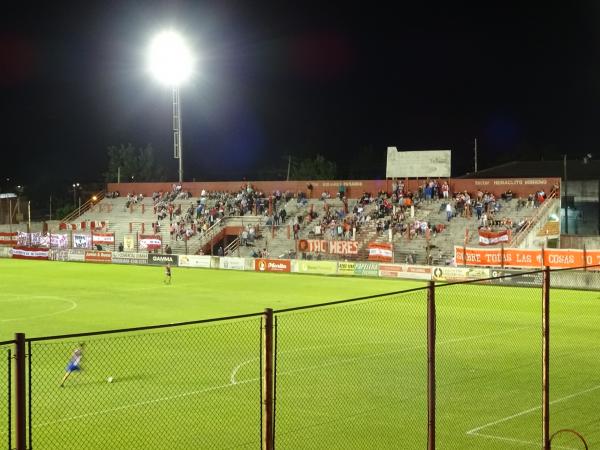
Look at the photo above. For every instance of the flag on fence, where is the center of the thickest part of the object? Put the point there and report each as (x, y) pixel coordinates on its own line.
(381, 251)
(493, 237)
(82, 241)
(103, 238)
(8, 238)
(150, 242)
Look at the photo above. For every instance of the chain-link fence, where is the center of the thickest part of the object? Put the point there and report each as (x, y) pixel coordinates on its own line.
(353, 376)
(574, 361)
(348, 375)
(6, 355)
(188, 387)
(488, 360)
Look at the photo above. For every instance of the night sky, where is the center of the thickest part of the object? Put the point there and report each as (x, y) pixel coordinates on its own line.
(276, 79)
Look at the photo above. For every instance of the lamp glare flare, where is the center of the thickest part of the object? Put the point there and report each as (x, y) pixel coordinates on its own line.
(170, 60)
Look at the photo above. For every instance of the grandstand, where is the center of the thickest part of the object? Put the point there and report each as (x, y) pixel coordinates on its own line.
(246, 219)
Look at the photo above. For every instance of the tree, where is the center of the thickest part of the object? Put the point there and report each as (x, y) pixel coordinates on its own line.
(313, 169)
(137, 164)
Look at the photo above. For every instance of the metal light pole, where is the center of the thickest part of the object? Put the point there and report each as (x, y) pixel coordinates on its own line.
(172, 63)
(566, 195)
(177, 150)
(75, 188)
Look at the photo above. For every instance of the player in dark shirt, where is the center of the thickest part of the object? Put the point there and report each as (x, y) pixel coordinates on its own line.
(167, 274)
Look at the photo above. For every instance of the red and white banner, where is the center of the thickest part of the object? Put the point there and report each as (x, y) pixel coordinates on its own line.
(8, 238)
(103, 238)
(150, 241)
(272, 265)
(493, 237)
(29, 253)
(381, 251)
(333, 247)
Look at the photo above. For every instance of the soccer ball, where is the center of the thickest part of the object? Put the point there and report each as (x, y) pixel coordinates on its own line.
(109, 379)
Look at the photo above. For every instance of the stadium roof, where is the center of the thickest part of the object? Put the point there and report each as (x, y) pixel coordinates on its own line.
(576, 170)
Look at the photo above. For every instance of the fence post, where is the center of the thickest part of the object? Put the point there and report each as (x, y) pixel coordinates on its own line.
(267, 381)
(546, 359)
(431, 366)
(9, 382)
(20, 393)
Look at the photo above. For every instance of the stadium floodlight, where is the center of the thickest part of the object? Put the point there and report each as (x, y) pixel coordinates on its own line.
(172, 63)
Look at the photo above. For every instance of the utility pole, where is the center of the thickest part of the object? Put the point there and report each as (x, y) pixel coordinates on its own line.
(566, 195)
(475, 151)
(289, 166)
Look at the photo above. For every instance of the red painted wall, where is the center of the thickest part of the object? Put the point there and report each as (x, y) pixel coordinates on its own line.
(354, 188)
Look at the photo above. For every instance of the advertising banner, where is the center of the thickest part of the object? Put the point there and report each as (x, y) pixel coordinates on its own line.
(156, 259)
(381, 251)
(58, 254)
(232, 263)
(366, 269)
(332, 247)
(76, 255)
(130, 257)
(493, 237)
(272, 265)
(516, 278)
(103, 238)
(29, 253)
(405, 271)
(97, 256)
(459, 273)
(321, 267)
(82, 241)
(346, 268)
(202, 261)
(150, 242)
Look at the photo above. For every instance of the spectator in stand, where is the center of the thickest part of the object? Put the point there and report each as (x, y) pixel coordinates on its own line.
(449, 211)
(445, 190)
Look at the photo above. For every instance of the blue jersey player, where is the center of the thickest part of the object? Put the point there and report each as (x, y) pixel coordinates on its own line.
(74, 364)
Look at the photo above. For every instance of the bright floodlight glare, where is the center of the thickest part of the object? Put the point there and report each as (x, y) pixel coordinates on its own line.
(170, 60)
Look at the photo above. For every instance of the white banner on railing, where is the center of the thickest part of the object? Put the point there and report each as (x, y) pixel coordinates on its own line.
(82, 241)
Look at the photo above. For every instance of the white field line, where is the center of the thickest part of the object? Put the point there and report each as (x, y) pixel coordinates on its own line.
(236, 369)
(475, 431)
(519, 441)
(375, 355)
(73, 305)
(230, 384)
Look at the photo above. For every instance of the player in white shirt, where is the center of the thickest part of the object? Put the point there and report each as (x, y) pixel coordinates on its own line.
(74, 364)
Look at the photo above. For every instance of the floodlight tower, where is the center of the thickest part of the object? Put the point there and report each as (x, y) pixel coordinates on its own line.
(171, 62)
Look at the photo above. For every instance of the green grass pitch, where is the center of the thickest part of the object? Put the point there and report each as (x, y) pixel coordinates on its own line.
(350, 376)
